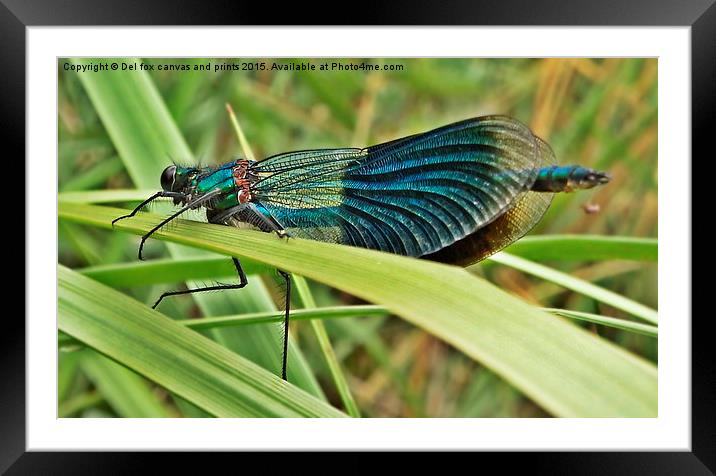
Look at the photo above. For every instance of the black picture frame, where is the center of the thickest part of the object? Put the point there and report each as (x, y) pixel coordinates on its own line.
(700, 15)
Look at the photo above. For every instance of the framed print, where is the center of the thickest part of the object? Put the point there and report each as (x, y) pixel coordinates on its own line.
(423, 238)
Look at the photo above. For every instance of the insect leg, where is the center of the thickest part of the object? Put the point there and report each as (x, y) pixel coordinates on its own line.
(286, 277)
(247, 212)
(269, 222)
(190, 205)
(242, 282)
(147, 201)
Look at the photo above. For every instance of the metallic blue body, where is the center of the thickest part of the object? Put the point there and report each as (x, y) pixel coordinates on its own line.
(457, 193)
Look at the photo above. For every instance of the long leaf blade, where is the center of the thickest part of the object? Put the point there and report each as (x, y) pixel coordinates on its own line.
(181, 360)
(567, 370)
(585, 248)
(126, 392)
(578, 285)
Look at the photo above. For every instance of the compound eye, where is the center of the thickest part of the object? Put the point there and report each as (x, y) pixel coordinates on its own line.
(168, 178)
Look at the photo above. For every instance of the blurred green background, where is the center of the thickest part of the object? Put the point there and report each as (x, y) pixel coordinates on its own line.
(600, 113)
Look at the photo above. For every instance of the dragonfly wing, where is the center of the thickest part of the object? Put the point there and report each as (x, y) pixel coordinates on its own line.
(410, 196)
(509, 227)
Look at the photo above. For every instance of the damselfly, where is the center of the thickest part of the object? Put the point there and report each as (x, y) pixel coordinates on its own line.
(456, 194)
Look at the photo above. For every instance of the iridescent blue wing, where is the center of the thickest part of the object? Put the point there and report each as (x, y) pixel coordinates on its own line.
(507, 228)
(410, 196)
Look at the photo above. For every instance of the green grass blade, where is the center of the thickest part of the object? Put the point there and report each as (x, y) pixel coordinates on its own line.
(585, 248)
(94, 177)
(337, 312)
(145, 273)
(106, 196)
(179, 359)
(184, 95)
(67, 370)
(578, 285)
(637, 327)
(78, 403)
(304, 294)
(334, 312)
(248, 152)
(125, 391)
(137, 120)
(566, 370)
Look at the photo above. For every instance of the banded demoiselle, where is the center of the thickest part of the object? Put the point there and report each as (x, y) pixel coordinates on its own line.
(456, 194)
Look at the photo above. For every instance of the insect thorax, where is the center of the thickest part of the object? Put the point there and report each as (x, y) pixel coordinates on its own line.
(240, 172)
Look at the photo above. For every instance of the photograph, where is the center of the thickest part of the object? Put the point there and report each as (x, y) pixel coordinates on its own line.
(357, 237)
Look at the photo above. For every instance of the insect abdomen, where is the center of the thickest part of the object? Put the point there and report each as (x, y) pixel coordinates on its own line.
(568, 178)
